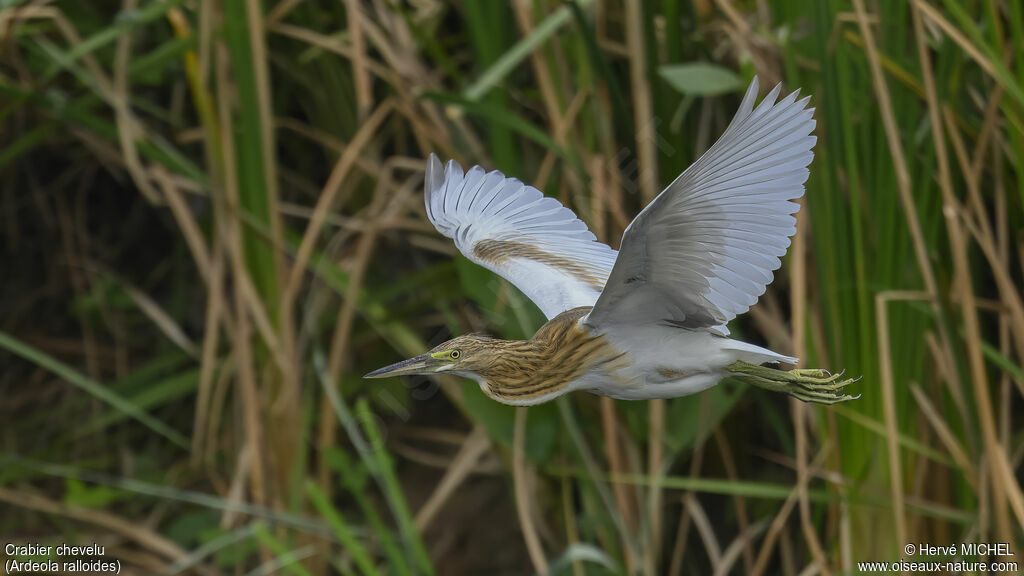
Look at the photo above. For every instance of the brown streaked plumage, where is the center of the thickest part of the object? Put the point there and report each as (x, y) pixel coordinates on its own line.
(521, 371)
(496, 251)
(649, 321)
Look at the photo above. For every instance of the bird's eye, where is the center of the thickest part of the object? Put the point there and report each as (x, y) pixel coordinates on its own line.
(454, 355)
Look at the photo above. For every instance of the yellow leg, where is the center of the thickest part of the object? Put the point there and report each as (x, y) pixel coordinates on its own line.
(809, 385)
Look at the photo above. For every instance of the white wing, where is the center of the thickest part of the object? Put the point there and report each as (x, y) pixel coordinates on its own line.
(515, 231)
(703, 251)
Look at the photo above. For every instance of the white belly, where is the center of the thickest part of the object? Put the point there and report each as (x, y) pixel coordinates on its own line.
(668, 362)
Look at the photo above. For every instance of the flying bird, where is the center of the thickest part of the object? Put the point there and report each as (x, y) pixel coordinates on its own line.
(649, 320)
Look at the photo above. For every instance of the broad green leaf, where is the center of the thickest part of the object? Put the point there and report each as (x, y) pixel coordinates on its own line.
(187, 529)
(542, 424)
(700, 78)
(77, 493)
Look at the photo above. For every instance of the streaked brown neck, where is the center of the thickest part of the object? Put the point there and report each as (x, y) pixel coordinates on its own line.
(560, 352)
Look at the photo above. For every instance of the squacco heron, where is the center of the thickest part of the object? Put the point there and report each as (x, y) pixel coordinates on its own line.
(648, 321)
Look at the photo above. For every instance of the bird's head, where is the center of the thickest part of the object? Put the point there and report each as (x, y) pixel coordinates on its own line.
(469, 356)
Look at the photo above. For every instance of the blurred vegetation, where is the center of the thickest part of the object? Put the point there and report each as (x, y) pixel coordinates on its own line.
(212, 225)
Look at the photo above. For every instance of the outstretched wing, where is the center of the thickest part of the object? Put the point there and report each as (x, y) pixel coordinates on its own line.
(703, 251)
(515, 231)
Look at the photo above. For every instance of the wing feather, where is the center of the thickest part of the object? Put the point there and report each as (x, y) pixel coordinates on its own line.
(515, 231)
(705, 249)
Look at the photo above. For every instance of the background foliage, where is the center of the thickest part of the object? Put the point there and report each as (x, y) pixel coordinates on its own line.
(212, 226)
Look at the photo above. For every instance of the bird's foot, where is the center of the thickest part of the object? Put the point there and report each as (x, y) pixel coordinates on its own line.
(809, 385)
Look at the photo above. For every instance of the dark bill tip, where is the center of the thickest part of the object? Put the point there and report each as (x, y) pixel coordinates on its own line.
(378, 373)
(417, 365)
